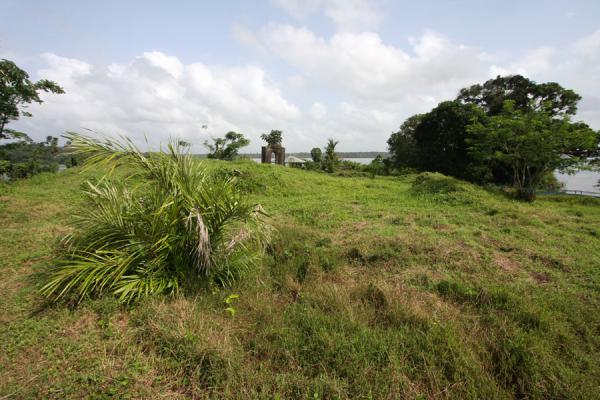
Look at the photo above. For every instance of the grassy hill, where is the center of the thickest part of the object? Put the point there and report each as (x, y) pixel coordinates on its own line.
(415, 287)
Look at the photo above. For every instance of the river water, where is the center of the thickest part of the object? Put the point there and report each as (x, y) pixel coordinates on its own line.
(583, 180)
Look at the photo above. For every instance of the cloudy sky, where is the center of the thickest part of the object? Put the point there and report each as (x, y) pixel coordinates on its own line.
(348, 69)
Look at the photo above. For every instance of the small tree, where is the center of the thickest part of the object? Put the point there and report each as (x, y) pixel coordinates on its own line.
(377, 166)
(16, 92)
(178, 228)
(273, 138)
(226, 148)
(531, 144)
(316, 154)
(331, 158)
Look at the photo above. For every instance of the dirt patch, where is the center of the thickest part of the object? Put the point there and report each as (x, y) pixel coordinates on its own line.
(506, 263)
(550, 262)
(84, 324)
(541, 277)
(500, 245)
(121, 321)
(347, 232)
(442, 227)
(469, 251)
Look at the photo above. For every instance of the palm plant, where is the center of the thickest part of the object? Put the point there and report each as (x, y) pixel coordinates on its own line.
(331, 158)
(167, 226)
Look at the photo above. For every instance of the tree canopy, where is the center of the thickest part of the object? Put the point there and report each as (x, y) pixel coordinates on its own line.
(504, 111)
(16, 92)
(316, 154)
(226, 148)
(439, 138)
(402, 144)
(331, 158)
(531, 144)
(524, 93)
(273, 138)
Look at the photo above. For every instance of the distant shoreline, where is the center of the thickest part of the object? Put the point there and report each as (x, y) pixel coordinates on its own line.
(350, 154)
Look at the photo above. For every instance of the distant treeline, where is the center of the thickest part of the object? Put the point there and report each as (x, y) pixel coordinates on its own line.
(350, 154)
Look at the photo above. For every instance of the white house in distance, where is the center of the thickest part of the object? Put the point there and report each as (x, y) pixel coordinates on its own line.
(296, 162)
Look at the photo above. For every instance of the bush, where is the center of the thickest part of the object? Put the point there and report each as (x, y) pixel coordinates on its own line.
(178, 227)
(443, 189)
(550, 183)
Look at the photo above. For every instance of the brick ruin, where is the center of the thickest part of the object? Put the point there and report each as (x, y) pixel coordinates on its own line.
(268, 151)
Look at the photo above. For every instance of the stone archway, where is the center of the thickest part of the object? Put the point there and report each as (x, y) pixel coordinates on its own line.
(268, 151)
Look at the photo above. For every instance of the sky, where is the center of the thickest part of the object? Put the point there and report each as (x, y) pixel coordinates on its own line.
(352, 70)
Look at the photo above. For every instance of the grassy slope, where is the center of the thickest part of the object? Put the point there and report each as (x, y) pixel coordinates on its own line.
(371, 289)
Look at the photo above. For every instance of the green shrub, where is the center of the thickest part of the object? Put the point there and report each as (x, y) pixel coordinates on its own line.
(246, 181)
(443, 189)
(178, 226)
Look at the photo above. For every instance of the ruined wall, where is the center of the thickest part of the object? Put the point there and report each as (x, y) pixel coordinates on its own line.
(267, 152)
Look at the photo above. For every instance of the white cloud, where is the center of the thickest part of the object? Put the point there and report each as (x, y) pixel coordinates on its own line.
(381, 84)
(346, 15)
(354, 87)
(353, 15)
(576, 66)
(588, 48)
(318, 111)
(298, 8)
(362, 65)
(168, 63)
(296, 82)
(158, 96)
(61, 68)
(534, 62)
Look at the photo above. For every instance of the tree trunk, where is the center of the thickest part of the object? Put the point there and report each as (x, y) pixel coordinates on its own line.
(2, 124)
(526, 194)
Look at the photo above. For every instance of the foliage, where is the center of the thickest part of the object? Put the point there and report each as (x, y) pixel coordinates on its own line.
(442, 189)
(316, 155)
(331, 159)
(550, 183)
(435, 141)
(273, 138)
(377, 166)
(178, 228)
(525, 94)
(226, 148)
(16, 92)
(440, 141)
(402, 145)
(23, 159)
(531, 144)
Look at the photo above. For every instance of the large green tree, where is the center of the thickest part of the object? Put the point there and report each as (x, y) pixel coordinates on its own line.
(226, 148)
(525, 94)
(440, 140)
(531, 144)
(17, 91)
(436, 141)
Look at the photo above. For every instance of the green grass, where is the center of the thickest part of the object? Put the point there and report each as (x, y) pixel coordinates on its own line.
(372, 288)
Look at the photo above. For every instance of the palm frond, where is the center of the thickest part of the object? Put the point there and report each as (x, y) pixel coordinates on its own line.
(180, 226)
